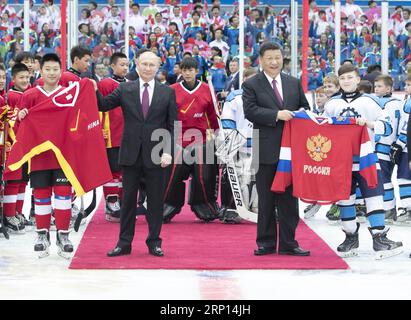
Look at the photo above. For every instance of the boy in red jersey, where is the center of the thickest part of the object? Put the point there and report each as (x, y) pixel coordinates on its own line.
(46, 174)
(197, 116)
(14, 190)
(113, 124)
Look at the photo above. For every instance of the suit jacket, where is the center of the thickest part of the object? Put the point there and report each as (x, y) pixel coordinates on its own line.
(261, 108)
(232, 82)
(137, 134)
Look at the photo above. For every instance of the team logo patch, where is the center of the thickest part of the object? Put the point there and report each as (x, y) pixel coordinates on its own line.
(318, 146)
(68, 96)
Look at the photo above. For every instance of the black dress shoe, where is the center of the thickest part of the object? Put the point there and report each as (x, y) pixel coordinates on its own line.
(156, 251)
(295, 252)
(261, 251)
(118, 251)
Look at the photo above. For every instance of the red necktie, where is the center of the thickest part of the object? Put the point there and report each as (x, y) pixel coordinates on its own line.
(276, 93)
(145, 101)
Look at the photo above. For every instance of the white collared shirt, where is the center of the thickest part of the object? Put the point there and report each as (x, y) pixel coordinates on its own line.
(150, 89)
(279, 83)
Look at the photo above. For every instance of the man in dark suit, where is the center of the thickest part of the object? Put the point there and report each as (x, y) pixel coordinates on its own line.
(147, 105)
(270, 98)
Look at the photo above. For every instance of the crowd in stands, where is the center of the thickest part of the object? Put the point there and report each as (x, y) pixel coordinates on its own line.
(209, 33)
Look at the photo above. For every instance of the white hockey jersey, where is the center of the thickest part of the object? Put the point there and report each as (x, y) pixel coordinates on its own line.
(360, 106)
(233, 117)
(405, 113)
(391, 109)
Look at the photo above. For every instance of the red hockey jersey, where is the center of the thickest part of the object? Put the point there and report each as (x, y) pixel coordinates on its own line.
(317, 157)
(113, 122)
(195, 111)
(67, 78)
(66, 124)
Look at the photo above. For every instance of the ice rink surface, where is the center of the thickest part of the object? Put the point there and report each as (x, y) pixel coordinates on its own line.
(24, 276)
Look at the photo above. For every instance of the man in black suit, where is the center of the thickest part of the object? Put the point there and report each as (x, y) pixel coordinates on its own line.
(270, 98)
(147, 105)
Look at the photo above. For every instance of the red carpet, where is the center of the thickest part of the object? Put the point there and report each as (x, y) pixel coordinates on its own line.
(191, 244)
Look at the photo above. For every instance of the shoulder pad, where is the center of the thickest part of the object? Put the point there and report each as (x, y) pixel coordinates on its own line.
(233, 94)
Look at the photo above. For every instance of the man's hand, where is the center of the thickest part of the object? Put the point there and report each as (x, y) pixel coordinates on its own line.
(22, 114)
(395, 153)
(285, 115)
(166, 160)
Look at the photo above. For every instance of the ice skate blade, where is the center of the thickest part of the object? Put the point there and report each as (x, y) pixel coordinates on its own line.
(348, 254)
(389, 221)
(380, 255)
(333, 222)
(65, 255)
(43, 254)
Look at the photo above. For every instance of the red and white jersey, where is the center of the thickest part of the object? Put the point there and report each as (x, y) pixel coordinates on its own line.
(195, 111)
(46, 160)
(318, 155)
(113, 121)
(68, 77)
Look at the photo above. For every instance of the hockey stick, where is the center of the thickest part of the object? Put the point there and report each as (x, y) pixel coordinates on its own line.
(231, 169)
(4, 120)
(84, 213)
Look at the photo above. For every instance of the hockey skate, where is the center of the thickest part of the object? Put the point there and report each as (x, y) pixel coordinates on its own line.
(231, 216)
(27, 223)
(14, 225)
(204, 212)
(403, 217)
(65, 247)
(349, 248)
(42, 244)
(169, 212)
(311, 210)
(361, 212)
(112, 208)
(390, 216)
(384, 247)
(333, 215)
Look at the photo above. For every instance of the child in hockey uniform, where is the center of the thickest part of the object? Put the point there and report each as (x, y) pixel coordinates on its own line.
(113, 124)
(197, 116)
(232, 118)
(14, 190)
(391, 106)
(80, 62)
(331, 89)
(351, 103)
(46, 174)
(399, 156)
(320, 100)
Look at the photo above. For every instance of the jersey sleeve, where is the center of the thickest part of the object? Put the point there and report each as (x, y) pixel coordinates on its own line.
(403, 125)
(368, 160)
(228, 117)
(283, 176)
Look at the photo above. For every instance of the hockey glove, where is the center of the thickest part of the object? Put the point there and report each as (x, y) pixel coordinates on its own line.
(395, 153)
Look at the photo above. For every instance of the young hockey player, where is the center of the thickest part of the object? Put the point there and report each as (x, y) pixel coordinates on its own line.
(196, 115)
(399, 155)
(113, 124)
(80, 61)
(351, 103)
(14, 191)
(232, 118)
(321, 98)
(392, 106)
(46, 175)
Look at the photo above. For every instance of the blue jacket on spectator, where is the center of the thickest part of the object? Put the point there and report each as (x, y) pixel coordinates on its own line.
(218, 77)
